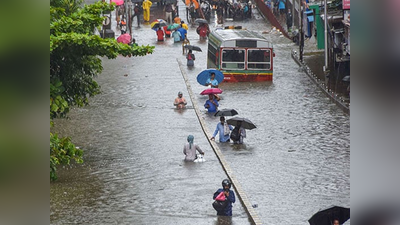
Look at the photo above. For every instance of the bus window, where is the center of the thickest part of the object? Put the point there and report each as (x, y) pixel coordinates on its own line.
(212, 57)
(259, 59)
(233, 59)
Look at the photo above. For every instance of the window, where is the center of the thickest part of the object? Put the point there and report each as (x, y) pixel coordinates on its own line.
(259, 59)
(212, 55)
(233, 59)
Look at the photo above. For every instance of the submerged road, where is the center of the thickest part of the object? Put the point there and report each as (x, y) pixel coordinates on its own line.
(295, 163)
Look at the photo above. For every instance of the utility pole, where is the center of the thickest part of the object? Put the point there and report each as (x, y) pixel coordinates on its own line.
(293, 13)
(301, 44)
(326, 70)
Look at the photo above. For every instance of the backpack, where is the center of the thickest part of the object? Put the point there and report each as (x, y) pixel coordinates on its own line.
(189, 57)
(235, 136)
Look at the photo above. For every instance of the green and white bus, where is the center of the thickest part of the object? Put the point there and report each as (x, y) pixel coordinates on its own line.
(241, 55)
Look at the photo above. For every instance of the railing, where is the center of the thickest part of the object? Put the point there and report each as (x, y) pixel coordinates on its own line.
(267, 13)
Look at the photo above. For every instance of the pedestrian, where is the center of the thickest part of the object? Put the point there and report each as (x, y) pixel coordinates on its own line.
(203, 30)
(238, 133)
(211, 81)
(211, 104)
(122, 26)
(281, 7)
(160, 34)
(229, 196)
(220, 13)
(184, 25)
(223, 129)
(190, 58)
(167, 32)
(146, 10)
(180, 101)
(175, 10)
(133, 42)
(137, 10)
(289, 18)
(176, 35)
(177, 20)
(190, 148)
(335, 222)
(183, 33)
(168, 13)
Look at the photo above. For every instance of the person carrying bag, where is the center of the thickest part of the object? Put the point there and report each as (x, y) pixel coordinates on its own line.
(224, 208)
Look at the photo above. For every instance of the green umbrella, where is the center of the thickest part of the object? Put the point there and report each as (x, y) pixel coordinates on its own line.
(173, 26)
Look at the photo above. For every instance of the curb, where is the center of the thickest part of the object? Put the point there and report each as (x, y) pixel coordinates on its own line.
(253, 216)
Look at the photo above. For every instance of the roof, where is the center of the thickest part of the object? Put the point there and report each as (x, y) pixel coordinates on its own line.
(233, 34)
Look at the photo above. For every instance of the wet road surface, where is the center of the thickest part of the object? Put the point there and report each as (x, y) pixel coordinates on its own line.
(296, 162)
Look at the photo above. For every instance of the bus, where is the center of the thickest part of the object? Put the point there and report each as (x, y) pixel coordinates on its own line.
(241, 55)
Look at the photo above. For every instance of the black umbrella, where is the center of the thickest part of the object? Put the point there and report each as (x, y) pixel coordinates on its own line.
(245, 123)
(326, 216)
(193, 47)
(226, 112)
(200, 20)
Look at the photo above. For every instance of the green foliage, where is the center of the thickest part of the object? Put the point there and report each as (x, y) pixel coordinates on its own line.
(75, 53)
(62, 151)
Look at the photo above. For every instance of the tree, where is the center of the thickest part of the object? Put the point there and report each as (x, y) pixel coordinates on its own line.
(75, 53)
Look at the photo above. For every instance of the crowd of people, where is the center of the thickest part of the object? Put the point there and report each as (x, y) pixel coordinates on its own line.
(226, 132)
(142, 10)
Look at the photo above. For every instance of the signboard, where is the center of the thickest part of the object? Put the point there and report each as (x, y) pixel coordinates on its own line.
(107, 20)
(346, 4)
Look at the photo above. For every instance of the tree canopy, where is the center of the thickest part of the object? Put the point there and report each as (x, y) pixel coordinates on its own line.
(75, 52)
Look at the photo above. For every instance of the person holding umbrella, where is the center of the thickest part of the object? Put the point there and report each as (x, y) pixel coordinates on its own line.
(203, 30)
(212, 81)
(211, 104)
(190, 58)
(160, 34)
(238, 133)
(335, 222)
(223, 129)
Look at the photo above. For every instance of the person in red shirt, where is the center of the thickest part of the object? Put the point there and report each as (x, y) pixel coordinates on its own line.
(160, 34)
(203, 30)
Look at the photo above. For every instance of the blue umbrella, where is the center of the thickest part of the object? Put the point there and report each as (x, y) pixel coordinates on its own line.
(205, 74)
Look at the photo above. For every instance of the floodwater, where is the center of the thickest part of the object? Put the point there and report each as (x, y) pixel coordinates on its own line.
(296, 162)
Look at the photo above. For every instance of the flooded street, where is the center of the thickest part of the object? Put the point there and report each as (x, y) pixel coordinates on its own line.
(296, 162)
